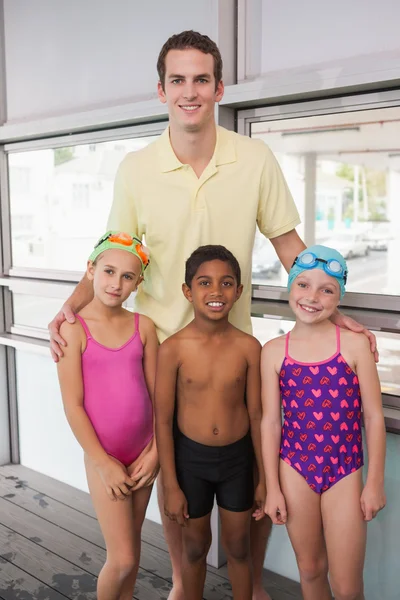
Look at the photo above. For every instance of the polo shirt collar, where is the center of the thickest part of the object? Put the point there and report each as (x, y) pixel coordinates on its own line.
(224, 152)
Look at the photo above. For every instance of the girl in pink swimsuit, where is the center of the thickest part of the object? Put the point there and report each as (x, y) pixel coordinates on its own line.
(322, 377)
(107, 382)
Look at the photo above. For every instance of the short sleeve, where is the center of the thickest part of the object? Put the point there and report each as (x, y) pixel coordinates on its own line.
(277, 213)
(123, 214)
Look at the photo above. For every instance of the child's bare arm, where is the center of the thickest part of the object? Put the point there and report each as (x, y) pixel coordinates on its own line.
(373, 497)
(145, 468)
(150, 349)
(69, 370)
(271, 426)
(175, 504)
(253, 399)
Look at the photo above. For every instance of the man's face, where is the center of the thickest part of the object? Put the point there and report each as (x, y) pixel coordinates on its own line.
(190, 89)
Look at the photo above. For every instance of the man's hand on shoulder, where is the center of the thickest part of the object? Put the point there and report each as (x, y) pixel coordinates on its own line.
(54, 327)
(348, 323)
(73, 335)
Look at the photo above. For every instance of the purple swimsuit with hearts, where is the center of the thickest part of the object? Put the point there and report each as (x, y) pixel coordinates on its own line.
(321, 433)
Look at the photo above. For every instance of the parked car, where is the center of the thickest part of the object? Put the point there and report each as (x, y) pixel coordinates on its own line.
(378, 237)
(266, 264)
(350, 245)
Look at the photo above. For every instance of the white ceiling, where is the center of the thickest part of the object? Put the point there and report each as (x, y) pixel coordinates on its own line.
(369, 138)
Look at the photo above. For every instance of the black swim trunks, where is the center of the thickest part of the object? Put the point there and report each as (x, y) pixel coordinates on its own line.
(226, 472)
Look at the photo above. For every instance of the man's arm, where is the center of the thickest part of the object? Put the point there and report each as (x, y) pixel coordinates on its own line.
(288, 246)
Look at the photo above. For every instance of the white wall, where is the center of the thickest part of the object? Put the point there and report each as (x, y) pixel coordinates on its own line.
(69, 56)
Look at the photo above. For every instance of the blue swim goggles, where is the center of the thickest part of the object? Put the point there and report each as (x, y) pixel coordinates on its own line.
(308, 260)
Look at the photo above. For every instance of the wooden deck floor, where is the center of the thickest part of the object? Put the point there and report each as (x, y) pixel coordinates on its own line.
(51, 547)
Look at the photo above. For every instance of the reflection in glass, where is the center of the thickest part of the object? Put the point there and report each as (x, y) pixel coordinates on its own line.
(344, 173)
(60, 199)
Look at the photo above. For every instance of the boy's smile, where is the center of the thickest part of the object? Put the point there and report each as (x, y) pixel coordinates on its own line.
(214, 289)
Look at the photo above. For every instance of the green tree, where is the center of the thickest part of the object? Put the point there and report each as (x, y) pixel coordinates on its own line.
(376, 192)
(62, 155)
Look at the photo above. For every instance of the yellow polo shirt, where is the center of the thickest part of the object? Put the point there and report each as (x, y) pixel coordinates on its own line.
(157, 196)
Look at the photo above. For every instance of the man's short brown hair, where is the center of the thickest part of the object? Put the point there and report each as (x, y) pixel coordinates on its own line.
(190, 39)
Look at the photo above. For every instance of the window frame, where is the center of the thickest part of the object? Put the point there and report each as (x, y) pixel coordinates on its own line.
(62, 141)
(339, 104)
(378, 312)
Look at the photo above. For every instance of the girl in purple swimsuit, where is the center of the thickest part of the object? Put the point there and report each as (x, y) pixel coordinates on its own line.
(107, 382)
(322, 376)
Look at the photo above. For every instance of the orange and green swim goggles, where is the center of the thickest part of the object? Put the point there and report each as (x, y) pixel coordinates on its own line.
(122, 241)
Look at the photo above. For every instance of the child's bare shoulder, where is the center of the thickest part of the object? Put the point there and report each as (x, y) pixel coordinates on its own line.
(146, 323)
(276, 344)
(275, 347)
(251, 342)
(354, 343)
(171, 345)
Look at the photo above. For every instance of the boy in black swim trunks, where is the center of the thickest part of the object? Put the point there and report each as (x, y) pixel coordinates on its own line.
(208, 375)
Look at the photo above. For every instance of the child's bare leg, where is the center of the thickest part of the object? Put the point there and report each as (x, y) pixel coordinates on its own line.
(173, 537)
(235, 529)
(345, 536)
(121, 531)
(140, 500)
(304, 527)
(259, 534)
(196, 544)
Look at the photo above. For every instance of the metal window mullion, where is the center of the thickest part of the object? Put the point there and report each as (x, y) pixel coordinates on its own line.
(311, 108)
(98, 136)
(50, 275)
(13, 404)
(5, 225)
(6, 312)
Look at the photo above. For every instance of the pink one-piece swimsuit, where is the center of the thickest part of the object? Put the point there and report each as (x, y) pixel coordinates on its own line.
(116, 398)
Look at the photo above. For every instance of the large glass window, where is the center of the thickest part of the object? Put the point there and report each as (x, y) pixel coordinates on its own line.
(344, 173)
(60, 199)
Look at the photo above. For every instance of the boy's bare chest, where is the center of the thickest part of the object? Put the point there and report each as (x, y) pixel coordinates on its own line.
(221, 370)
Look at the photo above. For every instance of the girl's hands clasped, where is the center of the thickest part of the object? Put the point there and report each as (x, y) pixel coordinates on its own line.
(116, 479)
(145, 468)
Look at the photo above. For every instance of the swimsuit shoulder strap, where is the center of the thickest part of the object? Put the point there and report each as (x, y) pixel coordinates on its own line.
(85, 327)
(136, 322)
(337, 339)
(287, 345)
